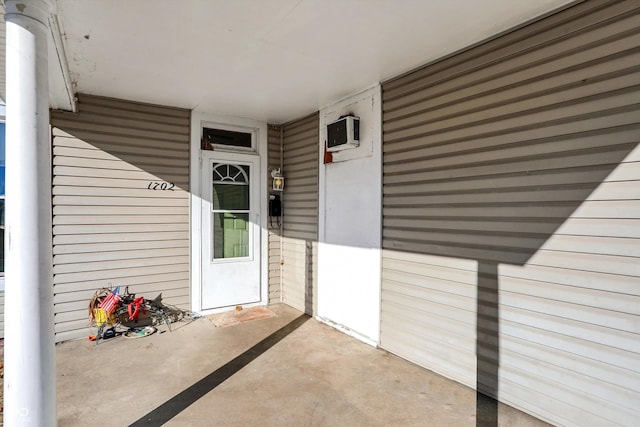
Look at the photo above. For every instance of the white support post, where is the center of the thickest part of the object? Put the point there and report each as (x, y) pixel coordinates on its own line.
(29, 381)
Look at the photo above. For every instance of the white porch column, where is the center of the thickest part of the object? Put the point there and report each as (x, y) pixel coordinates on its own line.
(29, 381)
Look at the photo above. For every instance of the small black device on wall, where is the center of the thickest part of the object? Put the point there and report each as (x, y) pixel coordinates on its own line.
(275, 209)
(344, 133)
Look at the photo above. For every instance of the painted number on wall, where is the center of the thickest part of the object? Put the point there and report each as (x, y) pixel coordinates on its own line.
(165, 186)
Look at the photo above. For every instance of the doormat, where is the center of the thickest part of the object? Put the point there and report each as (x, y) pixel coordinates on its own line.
(235, 317)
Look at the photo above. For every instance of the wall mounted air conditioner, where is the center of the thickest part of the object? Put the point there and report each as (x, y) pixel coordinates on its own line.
(343, 133)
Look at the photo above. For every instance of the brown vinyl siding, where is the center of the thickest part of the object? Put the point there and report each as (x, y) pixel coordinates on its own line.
(109, 228)
(300, 212)
(511, 216)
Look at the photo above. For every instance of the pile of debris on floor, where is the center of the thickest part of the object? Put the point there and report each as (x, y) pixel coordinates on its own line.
(126, 314)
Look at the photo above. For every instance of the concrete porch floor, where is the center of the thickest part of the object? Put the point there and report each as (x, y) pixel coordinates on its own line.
(306, 374)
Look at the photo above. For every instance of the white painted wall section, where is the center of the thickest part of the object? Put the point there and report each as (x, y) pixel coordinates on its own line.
(349, 229)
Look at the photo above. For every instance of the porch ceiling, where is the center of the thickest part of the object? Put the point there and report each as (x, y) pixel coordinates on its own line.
(272, 60)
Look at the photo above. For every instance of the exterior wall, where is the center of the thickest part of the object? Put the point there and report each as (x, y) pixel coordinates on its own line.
(350, 222)
(511, 219)
(300, 212)
(109, 227)
(275, 232)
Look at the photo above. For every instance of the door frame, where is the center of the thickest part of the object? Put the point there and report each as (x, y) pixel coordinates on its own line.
(259, 130)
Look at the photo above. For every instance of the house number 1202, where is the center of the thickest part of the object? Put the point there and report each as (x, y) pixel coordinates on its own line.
(168, 186)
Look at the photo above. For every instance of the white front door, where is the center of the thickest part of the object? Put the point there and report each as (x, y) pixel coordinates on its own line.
(230, 229)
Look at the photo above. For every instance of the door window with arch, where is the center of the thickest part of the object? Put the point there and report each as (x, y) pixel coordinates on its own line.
(230, 210)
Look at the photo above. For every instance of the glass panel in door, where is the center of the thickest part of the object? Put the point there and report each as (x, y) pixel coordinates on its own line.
(230, 211)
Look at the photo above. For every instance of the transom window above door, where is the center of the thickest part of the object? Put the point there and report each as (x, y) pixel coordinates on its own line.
(230, 139)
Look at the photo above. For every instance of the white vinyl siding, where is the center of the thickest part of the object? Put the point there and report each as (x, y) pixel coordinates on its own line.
(274, 162)
(511, 217)
(108, 226)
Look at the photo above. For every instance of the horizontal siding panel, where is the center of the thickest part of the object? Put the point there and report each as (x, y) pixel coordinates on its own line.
(572, 176)
(120, 219)
(117, 237)
(68, 291)
(134, 121)
(79, 327)
(116, 274)
(582, 296)
(610, 416)
(166, 168)
(628, 266)
(582, 313)
(409, 291)
(587, 331)
(595, 133)
(617, 101)
(479, 225)
(627, 171)
(487, 240)
(299, 234)
(510, 196)
(607, 281)
(75, 127)
(531, 96)
(391, 257)
(119, 210)
(619, 209)
(429, 272)
(140, 192)
(119, 182)
(92, 257)
(109, 227)
(133, 174)
(484, 253)
(519, 158)
(116, 228)
(489, 211)
(567, 361)
(123, 200)
(98, 154)
(119, 147)
(594, 245)
(102, 112)
(557, 342)
(599, 209)
(119, 263)
(552, 76)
